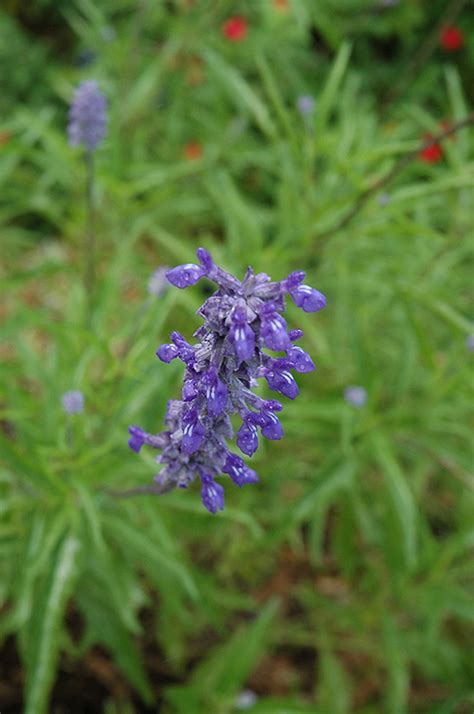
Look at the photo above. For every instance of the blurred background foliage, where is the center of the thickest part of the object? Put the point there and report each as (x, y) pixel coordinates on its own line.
(342, 582)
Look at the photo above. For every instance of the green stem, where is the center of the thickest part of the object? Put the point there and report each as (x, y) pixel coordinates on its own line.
(89, 245)
(69, 433)
(138, 491)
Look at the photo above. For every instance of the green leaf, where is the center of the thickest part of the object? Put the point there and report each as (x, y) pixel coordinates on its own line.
(157, 564)
(327, 484)
(333, 689)
(241, 92)
(397, 687)
(45, 624)
(104, 627)
(222, 674)
(328, 97)
(226, 670)
(441, 309)
(271, 705)
(400, 496)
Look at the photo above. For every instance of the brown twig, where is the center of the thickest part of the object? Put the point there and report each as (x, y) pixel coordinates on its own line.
(396, 169)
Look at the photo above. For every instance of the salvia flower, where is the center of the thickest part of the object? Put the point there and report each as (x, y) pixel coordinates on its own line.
(87, 116)
(242, 320)
(355, 396)
(73, 402)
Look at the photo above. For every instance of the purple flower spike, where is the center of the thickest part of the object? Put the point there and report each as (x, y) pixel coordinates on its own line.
(273, 332)
(87, 116)
(185, 275)
(216, 393)
(242, 336)
(355, 396)
(193, 432)
(212, 494)
(190, 389)
(137, 438)
(185, 351)
(238, 471)
(300, 360)
(294, 280)
(305, 105)
(73, 402)
(271, 427)
(241, 320)
(205, 258)
(167, 353)
(309, 299)
(282, 381)
(247, 438)
(295, 335)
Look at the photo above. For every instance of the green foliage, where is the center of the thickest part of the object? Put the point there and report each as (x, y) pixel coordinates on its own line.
(343, 581)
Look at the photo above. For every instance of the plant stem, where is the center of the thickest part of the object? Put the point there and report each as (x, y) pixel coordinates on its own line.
(138, 491)
(89, 244)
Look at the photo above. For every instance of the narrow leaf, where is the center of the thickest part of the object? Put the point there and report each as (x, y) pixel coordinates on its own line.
(46, 621)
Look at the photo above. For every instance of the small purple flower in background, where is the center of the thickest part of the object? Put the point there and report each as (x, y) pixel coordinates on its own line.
(157, 284)
(73, 402)
(87, 116)
(246, 700)
(383, 199)
(306, 105)
(355, 396)
(108, 33)
(241, 319)
(470, 342)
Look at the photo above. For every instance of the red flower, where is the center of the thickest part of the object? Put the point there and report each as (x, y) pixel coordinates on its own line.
(451, 39)
(432, 153)
(192, 151)
(235, 28)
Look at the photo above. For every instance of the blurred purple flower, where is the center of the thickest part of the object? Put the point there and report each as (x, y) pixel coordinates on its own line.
(470, 342)
(355, 396)
(305, 105)
(246, 700)
(108, 33)
(73, 402)
(240, 320)
(383, 199)
(87, 116)
(158, 284)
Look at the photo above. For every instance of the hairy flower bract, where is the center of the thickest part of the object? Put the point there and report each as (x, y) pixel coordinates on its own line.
(242, 319)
